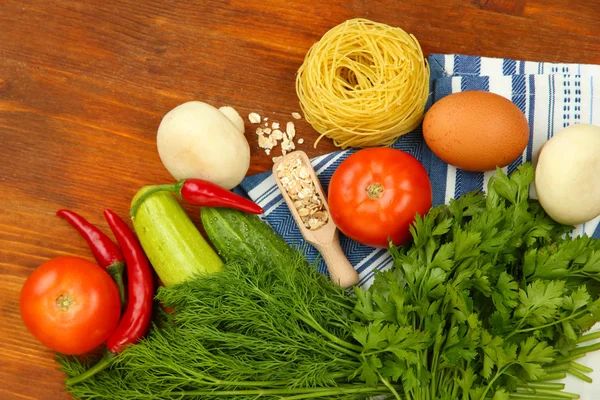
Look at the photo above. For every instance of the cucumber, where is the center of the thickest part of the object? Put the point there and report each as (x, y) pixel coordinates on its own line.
(173, 244)
(238, 235)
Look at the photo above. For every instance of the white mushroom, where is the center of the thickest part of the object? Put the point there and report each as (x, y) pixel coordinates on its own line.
(233, 117)
(567, 178)
(196, 140)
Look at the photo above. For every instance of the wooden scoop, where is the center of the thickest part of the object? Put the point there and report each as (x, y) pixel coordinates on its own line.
(325, 238)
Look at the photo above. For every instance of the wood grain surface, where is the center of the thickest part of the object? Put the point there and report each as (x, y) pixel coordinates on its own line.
(84, 84)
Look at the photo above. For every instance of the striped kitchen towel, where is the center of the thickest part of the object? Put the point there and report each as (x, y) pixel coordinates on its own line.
(552, 96)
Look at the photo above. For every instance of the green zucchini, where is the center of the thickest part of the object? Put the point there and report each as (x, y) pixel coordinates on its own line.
(238, 235)
(173, 244)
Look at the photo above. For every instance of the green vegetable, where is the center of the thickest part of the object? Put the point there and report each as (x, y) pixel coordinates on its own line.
(491, 295)
(241, 236)
(490, 301)
(171, 241)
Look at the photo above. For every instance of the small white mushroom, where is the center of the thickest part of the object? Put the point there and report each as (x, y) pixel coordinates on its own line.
(233, 116)
(567, 175)
(196, 140)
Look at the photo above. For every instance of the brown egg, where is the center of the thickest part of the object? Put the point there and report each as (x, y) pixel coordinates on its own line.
(476, 130)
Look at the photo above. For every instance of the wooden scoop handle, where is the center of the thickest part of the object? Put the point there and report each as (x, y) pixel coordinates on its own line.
(341, 271)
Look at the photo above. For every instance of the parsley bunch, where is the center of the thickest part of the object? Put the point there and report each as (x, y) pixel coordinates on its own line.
(490, 301)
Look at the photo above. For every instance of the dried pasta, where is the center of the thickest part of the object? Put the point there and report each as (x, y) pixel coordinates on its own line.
(363, 84)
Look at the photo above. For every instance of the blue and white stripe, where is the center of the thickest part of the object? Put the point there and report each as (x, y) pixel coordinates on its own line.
(550, 95)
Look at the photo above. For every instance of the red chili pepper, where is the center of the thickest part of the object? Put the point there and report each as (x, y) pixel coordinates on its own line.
(135, 322)
(105, 251)
(202, 193)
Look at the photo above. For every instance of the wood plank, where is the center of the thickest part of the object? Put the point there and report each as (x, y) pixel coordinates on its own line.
(84, 85)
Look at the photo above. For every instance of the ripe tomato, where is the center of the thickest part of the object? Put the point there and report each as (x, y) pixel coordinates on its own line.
(70, 304)
(375, 193)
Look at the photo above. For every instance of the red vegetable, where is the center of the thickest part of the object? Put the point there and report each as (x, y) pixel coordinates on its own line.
(203, 193)
(70, 304)
(375, 193)
(105, 251)
(135, 322)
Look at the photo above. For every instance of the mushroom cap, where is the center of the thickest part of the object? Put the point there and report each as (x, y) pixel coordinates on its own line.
(567, 180)
(196, 140)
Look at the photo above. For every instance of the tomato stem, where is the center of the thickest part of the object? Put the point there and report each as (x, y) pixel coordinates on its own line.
(104, 363)
(374, 190)
(64, 302)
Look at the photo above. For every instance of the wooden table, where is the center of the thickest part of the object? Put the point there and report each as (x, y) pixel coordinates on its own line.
(84, 85)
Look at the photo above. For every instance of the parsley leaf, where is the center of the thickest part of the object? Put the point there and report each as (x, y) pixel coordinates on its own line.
(532, 355)
(538, 303)
(505, 293)
(578, 299)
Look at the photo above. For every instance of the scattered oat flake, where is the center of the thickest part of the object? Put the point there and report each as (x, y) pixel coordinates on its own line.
(287, 144)
(265, 142)
(275, 159)
(290, 128)
(277, 134)
(270, 137)
(254, 118)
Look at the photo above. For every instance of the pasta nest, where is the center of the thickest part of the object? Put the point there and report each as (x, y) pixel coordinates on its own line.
(363, 84)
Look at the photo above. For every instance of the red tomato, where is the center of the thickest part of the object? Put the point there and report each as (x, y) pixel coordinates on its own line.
(70, 304)
(375, 193)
